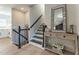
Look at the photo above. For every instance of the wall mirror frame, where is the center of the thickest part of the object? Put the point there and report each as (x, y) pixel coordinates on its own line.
(59, 19)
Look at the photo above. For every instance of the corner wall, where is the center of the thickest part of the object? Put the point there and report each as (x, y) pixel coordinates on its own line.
(18, 19)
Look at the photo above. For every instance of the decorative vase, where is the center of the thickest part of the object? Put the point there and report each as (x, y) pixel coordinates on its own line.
(72, 29)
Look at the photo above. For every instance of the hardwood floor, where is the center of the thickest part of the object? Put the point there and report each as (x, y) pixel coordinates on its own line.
(7, 48)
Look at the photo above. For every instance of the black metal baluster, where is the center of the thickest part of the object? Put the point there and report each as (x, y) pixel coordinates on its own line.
(44, 26)
(19, 38)
(43, 37)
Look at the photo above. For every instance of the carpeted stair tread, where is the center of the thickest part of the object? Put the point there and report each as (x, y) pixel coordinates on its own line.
(40, 30)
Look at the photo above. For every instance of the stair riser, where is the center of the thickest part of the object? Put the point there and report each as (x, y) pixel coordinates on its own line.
(36, 42)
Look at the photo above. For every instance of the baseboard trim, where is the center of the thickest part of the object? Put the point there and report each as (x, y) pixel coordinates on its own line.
(25, 42)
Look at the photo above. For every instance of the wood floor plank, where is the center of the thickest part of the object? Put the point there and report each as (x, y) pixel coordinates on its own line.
(7, 48)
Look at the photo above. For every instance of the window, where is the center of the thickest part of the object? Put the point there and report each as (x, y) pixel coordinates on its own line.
(5, 17)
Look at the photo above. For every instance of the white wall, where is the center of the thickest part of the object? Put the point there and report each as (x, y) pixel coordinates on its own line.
(18, 19)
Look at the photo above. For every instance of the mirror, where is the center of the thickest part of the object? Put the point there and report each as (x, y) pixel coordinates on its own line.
(58, 18)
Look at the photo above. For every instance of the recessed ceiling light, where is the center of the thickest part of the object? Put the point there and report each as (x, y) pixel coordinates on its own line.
(1, 7)
(22, 8)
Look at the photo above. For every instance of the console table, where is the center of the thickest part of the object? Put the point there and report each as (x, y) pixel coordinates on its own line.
(69, 41)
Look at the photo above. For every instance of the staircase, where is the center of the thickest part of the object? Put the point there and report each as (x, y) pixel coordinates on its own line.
(38, 36)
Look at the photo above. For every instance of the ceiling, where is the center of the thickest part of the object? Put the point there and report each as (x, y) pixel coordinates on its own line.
(20, 7)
